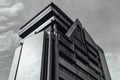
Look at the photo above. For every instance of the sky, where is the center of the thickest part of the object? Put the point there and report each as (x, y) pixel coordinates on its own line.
(101, 18)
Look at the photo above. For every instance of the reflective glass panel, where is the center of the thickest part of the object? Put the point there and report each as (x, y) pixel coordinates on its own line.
(30, 62)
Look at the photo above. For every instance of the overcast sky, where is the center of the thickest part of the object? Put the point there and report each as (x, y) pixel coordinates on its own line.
(101, 18)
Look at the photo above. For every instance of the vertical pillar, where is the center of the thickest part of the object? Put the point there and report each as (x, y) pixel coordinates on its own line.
(49, 67)
(56, 57)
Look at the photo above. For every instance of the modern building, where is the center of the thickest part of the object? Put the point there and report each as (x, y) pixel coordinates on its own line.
(53, 47)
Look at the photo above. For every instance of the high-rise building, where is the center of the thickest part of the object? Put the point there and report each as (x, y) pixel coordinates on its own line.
(53, 47)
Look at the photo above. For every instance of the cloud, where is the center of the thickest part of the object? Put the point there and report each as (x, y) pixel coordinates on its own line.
(10, 16)
(8, 26)
(3, 18)
(113, 61)
(8, 21)
(3, 64)
(3, 3)
(8, 40)
(13, 10)
(4, 70)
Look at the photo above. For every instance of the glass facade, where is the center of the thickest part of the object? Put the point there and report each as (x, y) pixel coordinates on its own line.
(31, 56)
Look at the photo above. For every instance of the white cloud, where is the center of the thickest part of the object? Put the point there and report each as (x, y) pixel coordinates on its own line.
(8, 40)
(13, 10)
(9, 16)
(8, 26)
(3, 3)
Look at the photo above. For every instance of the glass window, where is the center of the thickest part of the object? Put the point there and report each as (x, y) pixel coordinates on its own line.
(31, 56)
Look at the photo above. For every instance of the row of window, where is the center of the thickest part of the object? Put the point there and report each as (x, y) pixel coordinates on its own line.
(79, 51)
(78, 54)
(69, 73)
(78, 65)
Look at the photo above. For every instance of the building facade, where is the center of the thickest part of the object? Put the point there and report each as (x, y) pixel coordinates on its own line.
(53, 47)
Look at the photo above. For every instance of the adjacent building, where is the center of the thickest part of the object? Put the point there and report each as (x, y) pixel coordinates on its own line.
(53, 47)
